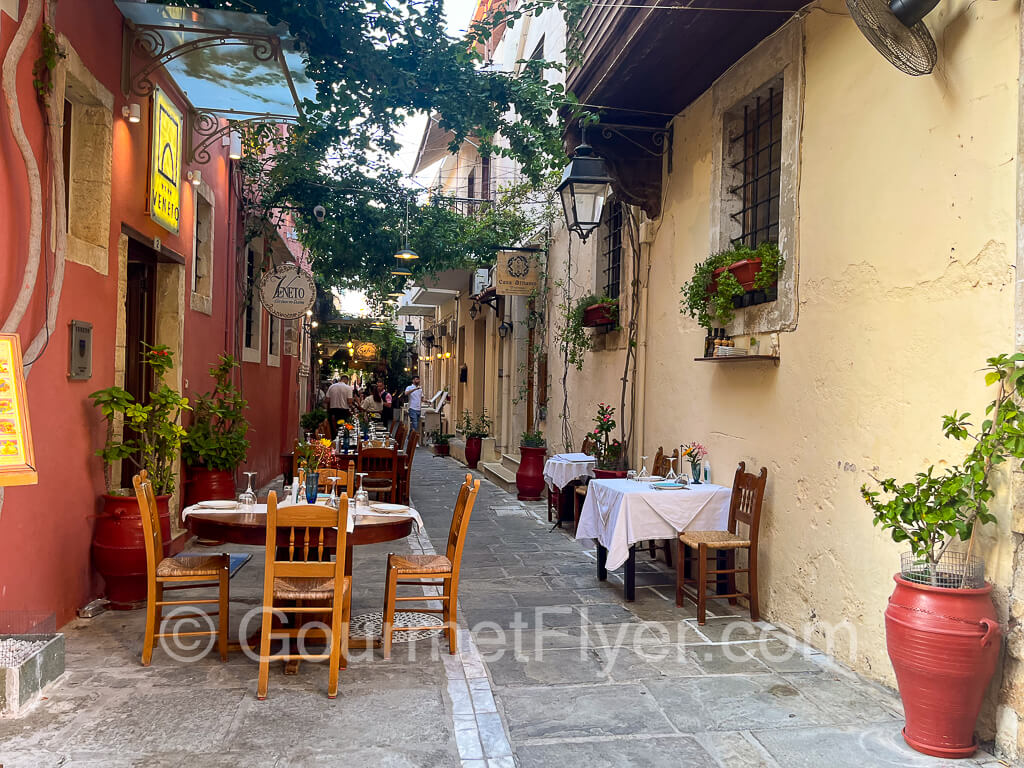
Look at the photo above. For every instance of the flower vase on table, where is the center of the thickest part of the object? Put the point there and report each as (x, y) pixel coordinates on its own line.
(695, 471)
(312, 486)
(694, 453)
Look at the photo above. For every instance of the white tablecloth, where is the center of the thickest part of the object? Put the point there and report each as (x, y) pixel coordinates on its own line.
(562, 469)
(618, 513)
(261, 509)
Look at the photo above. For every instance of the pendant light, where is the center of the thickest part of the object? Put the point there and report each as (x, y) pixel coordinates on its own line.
(585, 186)
(406, 254)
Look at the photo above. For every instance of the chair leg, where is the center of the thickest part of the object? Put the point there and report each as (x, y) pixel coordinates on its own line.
(346, 618)
(576, 512)
(680, 575)
(755, 609)
(702, 578)
(264, 674)
(150, 636)
(652, 549)
(450, 609)
(667, 545)
(387, 626)
(730, 581)
(334, 641)
(224, 620)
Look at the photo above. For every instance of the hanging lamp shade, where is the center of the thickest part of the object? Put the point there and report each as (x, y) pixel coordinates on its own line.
(406, 254)
(400, 269)
(584, 188)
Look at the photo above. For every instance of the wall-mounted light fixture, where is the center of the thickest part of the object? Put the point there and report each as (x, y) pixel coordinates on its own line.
(132, 112)
(409, 333)
(196, 177)
(585, 186)
(504, 329)
(315, 324)
(447, 355)
(474, 310)
(438, 355)
(235, 145)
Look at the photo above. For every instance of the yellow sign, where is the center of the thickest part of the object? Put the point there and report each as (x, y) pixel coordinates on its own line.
(165, 165)
(17, 460)
(516, 274)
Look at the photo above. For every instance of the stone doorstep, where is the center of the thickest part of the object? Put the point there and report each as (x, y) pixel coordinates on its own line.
(500, 475)
(510, 462)
(20, 686)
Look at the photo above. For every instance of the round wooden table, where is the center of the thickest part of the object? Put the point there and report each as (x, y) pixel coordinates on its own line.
(251, 529)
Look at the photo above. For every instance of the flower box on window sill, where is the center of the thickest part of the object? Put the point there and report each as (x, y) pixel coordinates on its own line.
(744, 271)
(597, 315)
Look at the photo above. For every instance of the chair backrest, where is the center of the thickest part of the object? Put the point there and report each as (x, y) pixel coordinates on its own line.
(346, 478)
(400, 433)
(660, 466)
(747, 497)
(589, 444)
(307, 526)
(460, 520)
(395, 424)
(323, 430)
(410, 451)
(379, 463)
(146, 497)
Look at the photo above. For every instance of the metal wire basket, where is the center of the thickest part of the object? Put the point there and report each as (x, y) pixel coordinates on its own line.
(953, 571)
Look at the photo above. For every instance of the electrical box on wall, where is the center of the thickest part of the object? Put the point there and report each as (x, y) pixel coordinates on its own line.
(80, 350)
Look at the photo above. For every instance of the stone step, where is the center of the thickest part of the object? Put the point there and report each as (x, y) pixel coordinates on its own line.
(499, 474)
(510, 462)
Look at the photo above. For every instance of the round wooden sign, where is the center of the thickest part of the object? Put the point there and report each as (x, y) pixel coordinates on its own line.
(287, 292)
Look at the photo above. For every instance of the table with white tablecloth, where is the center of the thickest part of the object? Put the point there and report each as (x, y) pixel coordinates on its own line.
(564, 468)
(619, 513)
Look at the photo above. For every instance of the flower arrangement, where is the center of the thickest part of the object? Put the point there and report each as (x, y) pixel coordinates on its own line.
(607, 451)
(313, 455)
(694, 453)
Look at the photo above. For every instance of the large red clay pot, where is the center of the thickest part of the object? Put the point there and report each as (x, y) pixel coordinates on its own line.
(530, 475)
(202, 484)
(473, 447)
(609, 474)
(119, 549)
(943, 644)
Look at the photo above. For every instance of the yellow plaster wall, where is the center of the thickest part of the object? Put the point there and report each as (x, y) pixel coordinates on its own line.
(906, 234)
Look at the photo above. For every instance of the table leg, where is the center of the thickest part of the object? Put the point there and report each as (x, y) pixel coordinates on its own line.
(629, 579)
(602, 560)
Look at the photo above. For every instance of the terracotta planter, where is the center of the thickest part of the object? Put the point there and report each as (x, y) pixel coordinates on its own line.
(943, 644)
(600, 314)
(473, 447)
(202, 484)
(530, 475)
(609, 474)
(442, 450)
(119, 548)
(744, 271)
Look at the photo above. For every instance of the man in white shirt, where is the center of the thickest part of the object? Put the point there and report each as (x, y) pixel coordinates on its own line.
(339, 403)
(414, 394)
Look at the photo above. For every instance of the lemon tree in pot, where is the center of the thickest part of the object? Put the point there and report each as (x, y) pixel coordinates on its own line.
(942, 633)
(149, 439)
(215, 443)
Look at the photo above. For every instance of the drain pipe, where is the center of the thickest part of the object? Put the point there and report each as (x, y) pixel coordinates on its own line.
(640, 414)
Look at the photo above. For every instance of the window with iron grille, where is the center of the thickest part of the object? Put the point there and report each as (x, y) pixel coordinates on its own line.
(251, 329)
(610, 261)
(754, 130)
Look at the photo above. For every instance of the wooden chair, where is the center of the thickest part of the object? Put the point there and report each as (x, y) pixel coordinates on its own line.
(589, 444)
(414, 569)
(400, 432)
(186, 571)
(745, 507)
(289, 583)
(405, 467)
(323, 430)
(381, 468)
(346, 479)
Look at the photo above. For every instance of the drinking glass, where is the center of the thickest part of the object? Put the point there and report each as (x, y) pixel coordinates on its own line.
(671, 476)
(362, 497)
(644, 472)
(332, 500)
(247, 498)
(631, 474)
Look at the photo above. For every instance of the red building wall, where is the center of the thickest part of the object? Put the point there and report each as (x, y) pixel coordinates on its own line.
(46, 529)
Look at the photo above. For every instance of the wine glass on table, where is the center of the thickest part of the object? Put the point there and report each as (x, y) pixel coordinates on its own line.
(332, 500)
(247, 498)
(671, 476)
(644, 473)
(362, 497)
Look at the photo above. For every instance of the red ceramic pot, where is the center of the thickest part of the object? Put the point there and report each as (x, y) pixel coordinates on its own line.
(441, 450)
(119, 548)
(600, 314)
(943, 644)
(473, 447)
(202, 484)
(609, 474)
(530, 475)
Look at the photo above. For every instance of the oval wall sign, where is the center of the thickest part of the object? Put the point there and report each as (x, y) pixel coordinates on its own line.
(287, 292)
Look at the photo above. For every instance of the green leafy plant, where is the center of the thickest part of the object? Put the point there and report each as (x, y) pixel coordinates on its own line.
(573, 334)
(155, 432)
(310, 421)
(607, 451)
(709, 306)
(313, 454)
(931, 511)
(42, 69)
(479, 426)
(437, 437)
(216, 439)
(534, 439)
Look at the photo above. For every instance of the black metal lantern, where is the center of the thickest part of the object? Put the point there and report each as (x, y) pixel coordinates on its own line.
(409, 333)
(504, 329)
(584, 188)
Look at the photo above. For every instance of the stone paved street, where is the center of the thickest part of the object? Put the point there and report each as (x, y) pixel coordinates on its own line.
(559, 670)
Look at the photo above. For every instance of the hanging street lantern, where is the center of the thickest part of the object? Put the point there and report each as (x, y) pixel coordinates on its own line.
(409, 333)
(584, 188)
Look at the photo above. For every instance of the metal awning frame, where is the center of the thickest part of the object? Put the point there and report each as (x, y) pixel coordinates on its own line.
(144, 48)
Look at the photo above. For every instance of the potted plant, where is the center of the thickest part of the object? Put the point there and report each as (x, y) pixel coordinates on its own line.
(530, 475)
(150, 441)
(475, 430)
(721, 283)
(607, 451)
(441, 443)
(312, 420)
(215, 443)
(598, 311)
(942, 633)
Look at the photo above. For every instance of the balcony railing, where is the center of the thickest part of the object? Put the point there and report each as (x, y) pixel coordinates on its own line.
(467, 206)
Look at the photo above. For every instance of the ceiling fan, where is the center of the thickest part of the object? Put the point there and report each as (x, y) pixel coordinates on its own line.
(897, 30)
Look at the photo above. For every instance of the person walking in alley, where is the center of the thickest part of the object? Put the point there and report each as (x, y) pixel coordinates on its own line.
(414, 393)
(339, 404)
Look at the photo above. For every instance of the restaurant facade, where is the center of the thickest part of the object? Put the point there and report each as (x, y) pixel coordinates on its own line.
(121, 224)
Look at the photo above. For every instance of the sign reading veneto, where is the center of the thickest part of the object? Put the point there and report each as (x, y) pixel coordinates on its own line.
(287, 292)
(17, 459)
(165, 163)
(516, 274)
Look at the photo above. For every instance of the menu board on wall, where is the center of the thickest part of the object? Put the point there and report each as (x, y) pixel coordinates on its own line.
(17, 459)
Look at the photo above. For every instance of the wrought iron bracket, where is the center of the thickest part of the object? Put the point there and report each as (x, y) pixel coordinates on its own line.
(659, 138)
